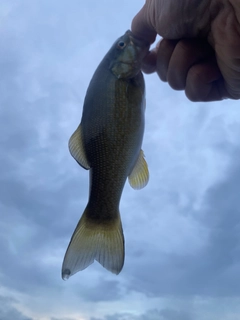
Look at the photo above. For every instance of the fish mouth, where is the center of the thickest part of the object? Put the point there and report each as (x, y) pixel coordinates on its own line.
(134, 65)
(138, 42)
(130, 63)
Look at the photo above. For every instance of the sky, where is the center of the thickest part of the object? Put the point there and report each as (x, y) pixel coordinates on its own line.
(182, 231)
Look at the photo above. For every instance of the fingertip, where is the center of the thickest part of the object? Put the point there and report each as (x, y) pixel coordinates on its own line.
(149, 62)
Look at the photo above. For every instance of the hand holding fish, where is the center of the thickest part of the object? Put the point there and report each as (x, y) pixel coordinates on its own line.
(200, 50)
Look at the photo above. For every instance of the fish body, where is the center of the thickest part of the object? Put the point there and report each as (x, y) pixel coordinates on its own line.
(108, 143)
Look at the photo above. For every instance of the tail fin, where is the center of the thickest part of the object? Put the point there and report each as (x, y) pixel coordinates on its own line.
(91, 241)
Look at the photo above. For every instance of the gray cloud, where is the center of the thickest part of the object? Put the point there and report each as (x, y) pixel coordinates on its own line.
(171, 314)
(34, 192)
(212, 269)
(164, 314)
(8, 311)
(103, 290)
(62, 319)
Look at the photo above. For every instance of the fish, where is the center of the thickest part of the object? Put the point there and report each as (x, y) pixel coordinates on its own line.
(108, 143)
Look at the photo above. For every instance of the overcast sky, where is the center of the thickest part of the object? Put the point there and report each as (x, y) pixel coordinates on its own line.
(182, 231)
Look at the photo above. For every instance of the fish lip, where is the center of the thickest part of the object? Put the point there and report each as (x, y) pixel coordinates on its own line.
(139, 42)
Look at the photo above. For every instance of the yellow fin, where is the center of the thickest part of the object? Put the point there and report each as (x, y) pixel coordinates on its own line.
(94, 241)
(76, 149)
(139, 177)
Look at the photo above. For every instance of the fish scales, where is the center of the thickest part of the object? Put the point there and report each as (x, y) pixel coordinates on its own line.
(115, 145)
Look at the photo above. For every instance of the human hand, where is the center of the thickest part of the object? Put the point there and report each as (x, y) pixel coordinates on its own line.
(200, 50)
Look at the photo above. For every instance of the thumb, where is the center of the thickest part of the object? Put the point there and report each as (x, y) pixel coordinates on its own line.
(141, 25)
(236, 6)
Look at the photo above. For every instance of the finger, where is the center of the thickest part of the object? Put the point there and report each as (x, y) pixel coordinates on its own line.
(141, 26)
(225, 38)
(164, 53)
(228, 58)
(149, 62)
(204, 82)
(236, 6)
(185, 54)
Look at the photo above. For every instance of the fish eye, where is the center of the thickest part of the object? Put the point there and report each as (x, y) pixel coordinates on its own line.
(121, 44)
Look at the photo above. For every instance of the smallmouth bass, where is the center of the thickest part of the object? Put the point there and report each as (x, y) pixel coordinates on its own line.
(108, 143)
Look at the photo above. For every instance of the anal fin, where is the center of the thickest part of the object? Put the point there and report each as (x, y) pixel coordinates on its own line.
(76, 148)
(139, 176)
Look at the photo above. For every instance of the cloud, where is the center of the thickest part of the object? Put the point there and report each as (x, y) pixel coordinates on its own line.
(8, 311)
(171, 314)
(164, 314)
(103, 290)
(210, 269)
(62, 319)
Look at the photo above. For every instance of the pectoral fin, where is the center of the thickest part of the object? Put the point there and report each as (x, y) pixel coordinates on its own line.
(76, 148)
(139, 176)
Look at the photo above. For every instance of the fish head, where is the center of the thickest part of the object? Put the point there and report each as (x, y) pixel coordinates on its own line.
(126, 55)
